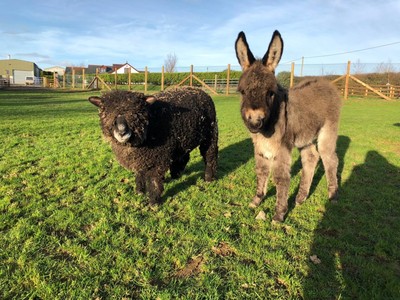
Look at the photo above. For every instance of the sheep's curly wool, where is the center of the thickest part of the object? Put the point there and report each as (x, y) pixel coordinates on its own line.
(164, 129)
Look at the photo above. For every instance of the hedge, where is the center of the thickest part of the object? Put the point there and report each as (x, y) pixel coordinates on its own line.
(169, 78)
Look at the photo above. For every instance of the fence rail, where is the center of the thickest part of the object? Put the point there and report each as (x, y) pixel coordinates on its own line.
(351, 79)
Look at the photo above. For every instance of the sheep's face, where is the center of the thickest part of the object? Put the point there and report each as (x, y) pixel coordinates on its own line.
(124, 116)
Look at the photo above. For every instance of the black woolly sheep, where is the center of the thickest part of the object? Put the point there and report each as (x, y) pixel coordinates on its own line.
(151, 134)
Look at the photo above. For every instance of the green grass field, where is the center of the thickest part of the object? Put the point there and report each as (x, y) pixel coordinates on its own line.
(72, 227)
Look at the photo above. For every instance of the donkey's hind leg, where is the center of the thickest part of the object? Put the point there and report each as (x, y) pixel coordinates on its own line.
(309, 160)
(327, 151)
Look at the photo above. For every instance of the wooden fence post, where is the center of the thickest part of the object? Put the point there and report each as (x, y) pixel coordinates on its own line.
(115, 78)
(228, 76)
(55, 84)
(346, 84)
(292, 75)
(83, 79)
(302, 65)
(129, 78)
(73, 78)
(64, 80)
(191, 76)
(145, 79)
(215, 82)
(162, 78)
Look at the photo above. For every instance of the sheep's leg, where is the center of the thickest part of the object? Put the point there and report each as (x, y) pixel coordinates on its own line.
(281, 173)
(140, 183)
(263, 166)
(309, 160)
(156, 188)
(209, 151)
(327, 150)
(178, 165)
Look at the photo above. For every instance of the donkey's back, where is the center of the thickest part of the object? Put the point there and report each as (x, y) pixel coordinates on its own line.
(313, 109)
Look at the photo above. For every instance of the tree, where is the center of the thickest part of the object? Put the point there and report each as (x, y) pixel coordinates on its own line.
(358, 67)
(170, 62)
(385, 68)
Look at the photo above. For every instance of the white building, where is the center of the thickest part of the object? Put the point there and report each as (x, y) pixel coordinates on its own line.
(59, 70)
(123, 69)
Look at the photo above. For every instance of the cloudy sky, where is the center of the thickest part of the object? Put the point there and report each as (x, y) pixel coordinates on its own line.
(199, 32)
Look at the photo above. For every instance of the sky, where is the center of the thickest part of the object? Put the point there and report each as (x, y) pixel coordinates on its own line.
(199, 32)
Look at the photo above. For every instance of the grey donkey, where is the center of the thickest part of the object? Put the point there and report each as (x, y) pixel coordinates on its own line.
(305, 116)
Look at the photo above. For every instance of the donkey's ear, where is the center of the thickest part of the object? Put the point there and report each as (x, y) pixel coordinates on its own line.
(274, 52)
(243, 53)
(95, 101)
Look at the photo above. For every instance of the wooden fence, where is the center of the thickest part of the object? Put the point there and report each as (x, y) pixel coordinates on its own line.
(348, 84)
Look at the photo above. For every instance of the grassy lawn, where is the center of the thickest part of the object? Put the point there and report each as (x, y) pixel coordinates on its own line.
(72, 227)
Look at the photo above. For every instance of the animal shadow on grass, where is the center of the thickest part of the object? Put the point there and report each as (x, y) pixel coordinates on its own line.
(342, 145)
(355, 249)
(229, 159)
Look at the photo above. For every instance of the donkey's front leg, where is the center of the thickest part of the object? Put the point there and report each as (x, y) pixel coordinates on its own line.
(262, 171)
(281, 173)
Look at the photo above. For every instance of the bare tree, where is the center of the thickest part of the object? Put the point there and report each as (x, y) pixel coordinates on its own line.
(358, 67)
(385, 67)
(170, 62)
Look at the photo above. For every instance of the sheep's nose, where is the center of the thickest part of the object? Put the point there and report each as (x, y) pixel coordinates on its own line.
(121, 125)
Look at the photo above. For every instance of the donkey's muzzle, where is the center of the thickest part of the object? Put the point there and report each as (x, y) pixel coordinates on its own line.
(254, 120)
(255, 125)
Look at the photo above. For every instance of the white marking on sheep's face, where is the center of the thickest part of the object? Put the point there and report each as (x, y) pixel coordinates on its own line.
(122, 133)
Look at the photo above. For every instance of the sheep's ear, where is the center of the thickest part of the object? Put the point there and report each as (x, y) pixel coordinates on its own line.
(274, 52)
(150, 99)
(95, 101)
(243, 53)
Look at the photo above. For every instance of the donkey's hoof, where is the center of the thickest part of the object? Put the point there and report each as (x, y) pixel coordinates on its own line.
(255, 203)
(333, 196)
(300, 198)
(278, 218)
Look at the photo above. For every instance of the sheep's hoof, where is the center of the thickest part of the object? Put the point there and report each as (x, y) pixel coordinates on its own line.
(154, 202)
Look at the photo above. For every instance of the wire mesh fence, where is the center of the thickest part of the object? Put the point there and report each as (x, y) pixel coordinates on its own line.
(383, 78)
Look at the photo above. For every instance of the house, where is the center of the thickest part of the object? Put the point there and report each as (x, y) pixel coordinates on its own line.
(16, 70)
(56, 69)
(75, 70)
(100, 69)
(123, 69)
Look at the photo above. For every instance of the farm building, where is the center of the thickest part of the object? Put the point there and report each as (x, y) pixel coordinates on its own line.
(17, 70)
(56, 69)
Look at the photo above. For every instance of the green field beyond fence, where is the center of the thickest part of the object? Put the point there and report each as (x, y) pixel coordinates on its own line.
(72, 227)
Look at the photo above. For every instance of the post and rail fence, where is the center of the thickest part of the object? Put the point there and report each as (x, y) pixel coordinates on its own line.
(381, 83)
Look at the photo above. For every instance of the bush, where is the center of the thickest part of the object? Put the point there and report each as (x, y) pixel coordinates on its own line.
(169, 78)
